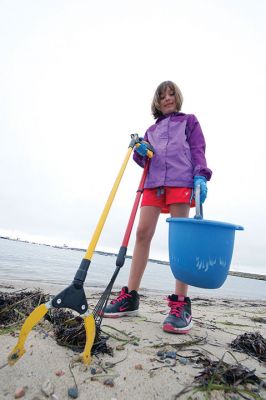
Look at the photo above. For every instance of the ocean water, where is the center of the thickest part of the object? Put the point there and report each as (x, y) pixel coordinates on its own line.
(41, 263)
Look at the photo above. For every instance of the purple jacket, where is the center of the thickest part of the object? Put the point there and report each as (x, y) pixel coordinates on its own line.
(179, 147)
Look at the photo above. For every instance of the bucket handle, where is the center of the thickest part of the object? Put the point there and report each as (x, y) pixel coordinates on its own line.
(199, 209)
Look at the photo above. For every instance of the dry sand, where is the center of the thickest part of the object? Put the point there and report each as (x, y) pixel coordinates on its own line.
(135, 370)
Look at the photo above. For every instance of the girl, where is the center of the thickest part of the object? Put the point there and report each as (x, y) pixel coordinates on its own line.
(178, 165)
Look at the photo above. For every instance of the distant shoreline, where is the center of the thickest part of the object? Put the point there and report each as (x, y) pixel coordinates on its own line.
(104, 253)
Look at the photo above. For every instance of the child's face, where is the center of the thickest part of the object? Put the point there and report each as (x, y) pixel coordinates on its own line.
(167, 101)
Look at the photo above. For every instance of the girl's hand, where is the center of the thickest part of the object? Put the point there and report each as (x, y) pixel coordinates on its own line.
(201, 181)
(144, 149)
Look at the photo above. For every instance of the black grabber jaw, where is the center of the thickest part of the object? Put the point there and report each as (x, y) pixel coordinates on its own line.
(73, 296)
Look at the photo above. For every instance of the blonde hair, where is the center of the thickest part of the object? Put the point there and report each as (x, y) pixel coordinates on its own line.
(155, 105)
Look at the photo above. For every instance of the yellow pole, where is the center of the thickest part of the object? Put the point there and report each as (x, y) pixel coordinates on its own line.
(106, 209)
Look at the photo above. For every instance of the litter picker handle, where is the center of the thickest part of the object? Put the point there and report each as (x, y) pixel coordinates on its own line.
(199, 209)
(99, 227)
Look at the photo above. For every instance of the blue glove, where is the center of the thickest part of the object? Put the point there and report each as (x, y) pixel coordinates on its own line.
(202, 182)
(144, 149)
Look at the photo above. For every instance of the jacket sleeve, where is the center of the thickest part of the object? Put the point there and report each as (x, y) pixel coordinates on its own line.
(140, 160)
(197, 145)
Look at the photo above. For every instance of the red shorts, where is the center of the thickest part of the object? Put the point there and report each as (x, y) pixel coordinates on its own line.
(164, 196)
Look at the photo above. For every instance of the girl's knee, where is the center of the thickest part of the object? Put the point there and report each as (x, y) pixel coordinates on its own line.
(144, 234)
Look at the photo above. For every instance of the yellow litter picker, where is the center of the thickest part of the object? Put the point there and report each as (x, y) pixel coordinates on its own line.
(73, 297)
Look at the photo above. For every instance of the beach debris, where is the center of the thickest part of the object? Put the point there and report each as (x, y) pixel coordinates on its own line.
(17, 305)
(222, 376)
(47, 388)
(96, 371)
(183, 360)
(109, 382)
(251, 343)
(73, 392)
(122, 336)
(139, 367)
(20, 392)
(69, 331)
(59, 372)
(181, 345)
(220, 372)
(166, 354)
(120, 347)
(261, 320)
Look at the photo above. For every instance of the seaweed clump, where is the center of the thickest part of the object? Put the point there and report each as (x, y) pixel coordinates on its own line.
(252, 344)
(68, 329)
(221, 373)
(228, 378)
(15, 306)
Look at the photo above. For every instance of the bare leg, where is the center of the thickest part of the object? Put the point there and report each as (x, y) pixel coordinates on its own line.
(180, 210)
(147, 224)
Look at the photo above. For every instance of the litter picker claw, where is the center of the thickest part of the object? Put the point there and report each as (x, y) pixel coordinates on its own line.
(73, 296)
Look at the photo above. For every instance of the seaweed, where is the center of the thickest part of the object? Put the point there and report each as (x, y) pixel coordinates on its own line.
(15, 306)
(68, 329)
(252, 344)
(229, 378)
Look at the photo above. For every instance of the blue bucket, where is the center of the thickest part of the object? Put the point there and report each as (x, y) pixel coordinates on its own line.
(200, 251)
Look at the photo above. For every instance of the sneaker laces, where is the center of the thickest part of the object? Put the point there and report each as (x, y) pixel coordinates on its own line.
(176, 307)
(123, 295)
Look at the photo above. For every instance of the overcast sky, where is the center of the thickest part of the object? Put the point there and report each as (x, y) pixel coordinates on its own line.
(77, 78)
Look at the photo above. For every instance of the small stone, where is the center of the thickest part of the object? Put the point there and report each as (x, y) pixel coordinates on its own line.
(171, 354)
(109, 382)
(47, 388)
(183, 360)
(161, 354)
(20, 392)
(73, 392)
(93, 371)
(138, 366)
(54, 397)
(120, 347)
(59, 372)
(109, 364)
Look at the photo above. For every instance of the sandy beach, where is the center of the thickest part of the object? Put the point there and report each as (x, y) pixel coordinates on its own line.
(147, 363)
